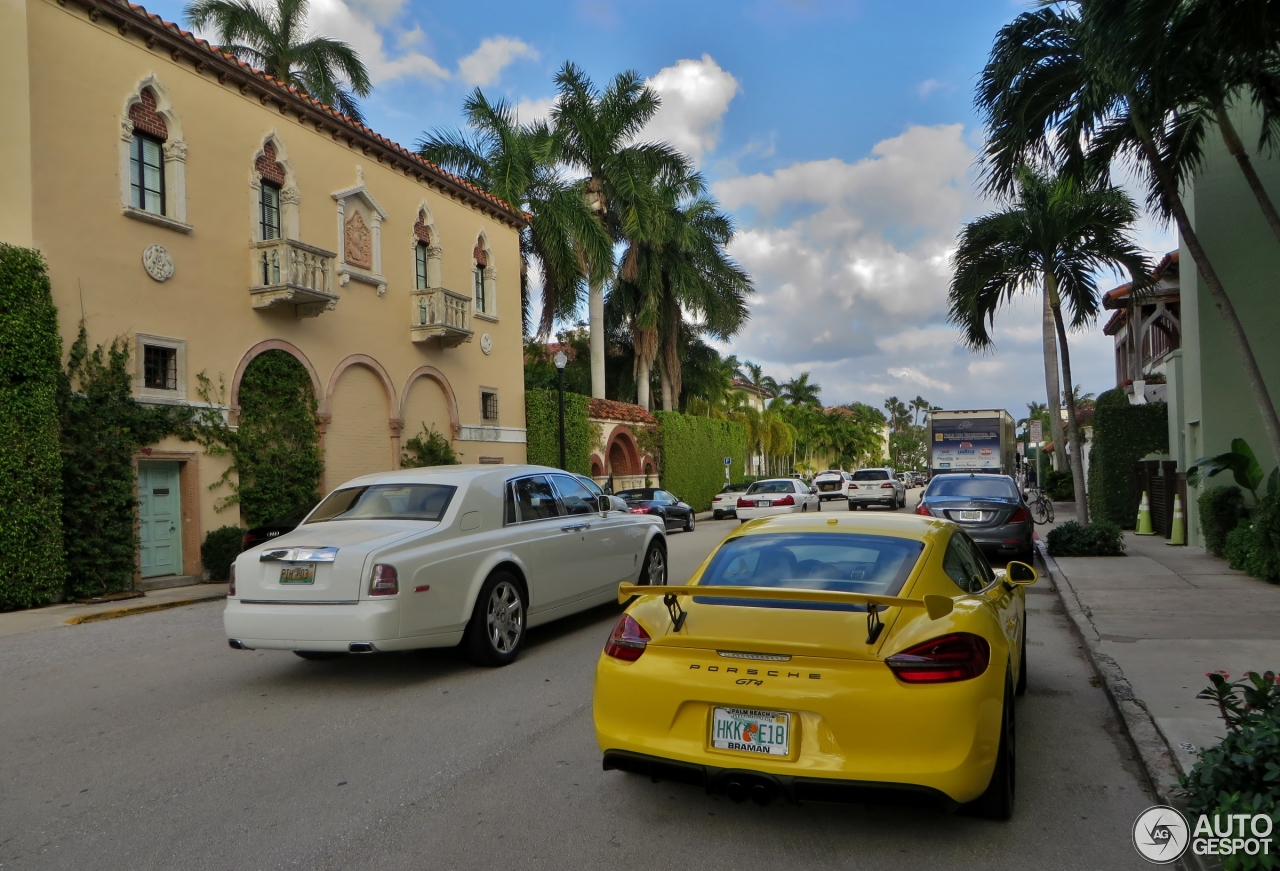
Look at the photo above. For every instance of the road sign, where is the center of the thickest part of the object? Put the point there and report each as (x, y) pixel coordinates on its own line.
(1037, 432)
(728, 461)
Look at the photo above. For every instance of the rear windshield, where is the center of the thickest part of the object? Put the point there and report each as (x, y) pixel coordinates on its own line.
(871, 475)
(734, 488)
(848, 562)
(974, 488)
(635, 495)
(772, 487)
(385, 502)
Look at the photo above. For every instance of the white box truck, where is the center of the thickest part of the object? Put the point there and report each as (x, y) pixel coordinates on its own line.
(981, 440)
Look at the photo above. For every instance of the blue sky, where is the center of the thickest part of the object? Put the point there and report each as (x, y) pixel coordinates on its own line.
(841, 136)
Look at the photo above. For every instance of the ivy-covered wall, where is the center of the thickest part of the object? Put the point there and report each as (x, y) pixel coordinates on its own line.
(542, 425)
(1122, 435)
(691, 455)
(32, 567)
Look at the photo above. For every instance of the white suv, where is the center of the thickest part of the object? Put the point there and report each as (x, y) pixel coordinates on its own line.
(832, 484)
(876, 487)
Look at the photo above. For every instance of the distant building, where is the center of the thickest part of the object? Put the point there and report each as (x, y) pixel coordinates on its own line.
(755, 397)
(1146, 326)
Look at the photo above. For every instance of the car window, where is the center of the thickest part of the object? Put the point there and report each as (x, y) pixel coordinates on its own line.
(871, 475)
(385, 502)
(534, 499)
(974, 488)
(575, 498)
(770, 487)
(635, 495)
(980, 560)
(849, 562)
(960, 565)
(591, 485)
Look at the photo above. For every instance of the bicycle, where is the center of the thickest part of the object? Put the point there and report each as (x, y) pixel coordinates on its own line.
(1041, 508)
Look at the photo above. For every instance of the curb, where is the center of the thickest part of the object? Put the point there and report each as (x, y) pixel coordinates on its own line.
(1159, 763)
(139, 609)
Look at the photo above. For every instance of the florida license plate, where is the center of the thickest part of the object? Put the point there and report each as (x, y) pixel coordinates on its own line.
(298, 573)
(764, 503)
(745, 730)
(970, 515)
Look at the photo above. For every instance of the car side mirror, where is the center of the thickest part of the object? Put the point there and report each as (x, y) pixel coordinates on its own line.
(1021, 573)
(604, 503)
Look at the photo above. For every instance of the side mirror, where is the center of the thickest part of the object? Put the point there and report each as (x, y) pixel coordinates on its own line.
(604, 503)
(1020, 573)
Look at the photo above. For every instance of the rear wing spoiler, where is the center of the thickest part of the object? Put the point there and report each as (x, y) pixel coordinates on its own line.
(936, 606)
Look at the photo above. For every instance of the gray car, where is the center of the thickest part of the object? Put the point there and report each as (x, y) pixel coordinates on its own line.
(990, 509)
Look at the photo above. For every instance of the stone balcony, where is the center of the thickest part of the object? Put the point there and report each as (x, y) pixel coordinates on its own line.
(288, 275)
(440, 314)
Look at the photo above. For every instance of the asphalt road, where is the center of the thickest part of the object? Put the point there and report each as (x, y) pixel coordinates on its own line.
(146, 743)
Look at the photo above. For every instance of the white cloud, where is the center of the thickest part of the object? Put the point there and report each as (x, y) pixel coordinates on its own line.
(926, 89)
(358, 25)
(484, 65)
(695, 96)
(851, 261)
(534, 110)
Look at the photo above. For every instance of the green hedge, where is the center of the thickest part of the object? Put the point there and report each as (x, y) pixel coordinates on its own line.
(1221, 510)
(1122, 435)
(32, 566)
(220, 548)
(692, 455)
(542, 430)
(1097, 539)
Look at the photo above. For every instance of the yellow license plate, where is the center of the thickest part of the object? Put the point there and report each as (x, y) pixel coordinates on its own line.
(299, 573)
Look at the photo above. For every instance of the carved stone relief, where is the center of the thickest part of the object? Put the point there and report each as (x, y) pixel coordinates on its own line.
(358, 242)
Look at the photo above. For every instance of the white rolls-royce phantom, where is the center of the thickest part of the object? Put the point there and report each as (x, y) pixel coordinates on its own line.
(434, 557)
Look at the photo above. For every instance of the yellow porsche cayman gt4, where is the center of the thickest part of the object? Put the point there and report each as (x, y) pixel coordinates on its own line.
(850, 658)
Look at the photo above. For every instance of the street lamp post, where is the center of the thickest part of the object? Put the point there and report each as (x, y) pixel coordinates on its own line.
(561, 361)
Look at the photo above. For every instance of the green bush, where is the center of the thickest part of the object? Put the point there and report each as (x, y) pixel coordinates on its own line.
(1242, 773)
(1096, 539)
(542, 430)
(32, 563)
(691, 455)
(103, 429)
(1221, 510)
(220, 548)
(1254, 545)
(428, 448)
(1122, 435)
(1059, 486)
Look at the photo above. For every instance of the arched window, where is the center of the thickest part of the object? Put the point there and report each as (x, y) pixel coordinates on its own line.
(484, 286)
(153, 159)
(275, 194)
(422, 253)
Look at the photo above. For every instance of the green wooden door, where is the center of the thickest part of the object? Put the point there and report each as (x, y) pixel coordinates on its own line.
(159, 518)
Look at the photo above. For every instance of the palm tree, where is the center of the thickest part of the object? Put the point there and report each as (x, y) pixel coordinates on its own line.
(918, 405)
(753, 374)
(1086, 87)
(801, 391)
(272, 37)
(516, 163)
(596, 132)
(1054, 237)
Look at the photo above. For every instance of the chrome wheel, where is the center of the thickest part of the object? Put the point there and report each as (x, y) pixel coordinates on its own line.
(505, 617)
(656, 568)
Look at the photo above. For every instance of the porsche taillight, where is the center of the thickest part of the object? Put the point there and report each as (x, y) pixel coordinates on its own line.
(627, 641)
(950, 658)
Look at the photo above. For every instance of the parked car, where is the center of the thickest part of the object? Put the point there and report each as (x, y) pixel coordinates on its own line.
(439, 556)
(751, 680)
(276, 528)
(876, 487)
(675, 513)
(725, 503)
(832, 484)
(989, 507)
(777, 496)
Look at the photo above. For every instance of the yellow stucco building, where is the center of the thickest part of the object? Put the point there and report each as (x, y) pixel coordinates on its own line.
(208, 214)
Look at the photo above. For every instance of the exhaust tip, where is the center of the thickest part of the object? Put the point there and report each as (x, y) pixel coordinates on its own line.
(761, 794)
(234, 644)
(735, 791)
(360, 647)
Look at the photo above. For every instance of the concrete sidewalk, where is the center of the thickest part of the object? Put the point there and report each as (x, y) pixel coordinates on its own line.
(53, 616)
(1155, 621)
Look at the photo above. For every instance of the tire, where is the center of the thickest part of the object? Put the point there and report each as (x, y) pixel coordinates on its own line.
(804, 508)
(1021, 688)
(653, 572)
(688, 527)
(717, 515)
(996, 803)
(318, 655)
(1049, 511)
(496, 631)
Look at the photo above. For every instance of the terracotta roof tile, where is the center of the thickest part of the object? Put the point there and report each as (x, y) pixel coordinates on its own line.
(610, 409)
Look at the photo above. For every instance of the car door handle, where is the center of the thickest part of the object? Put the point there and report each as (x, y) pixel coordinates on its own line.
(575, 527)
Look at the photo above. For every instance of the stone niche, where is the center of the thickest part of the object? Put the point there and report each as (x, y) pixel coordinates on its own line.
(360, 236)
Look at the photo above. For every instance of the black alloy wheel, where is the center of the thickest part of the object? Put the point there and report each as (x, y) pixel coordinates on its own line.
(996, 803)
